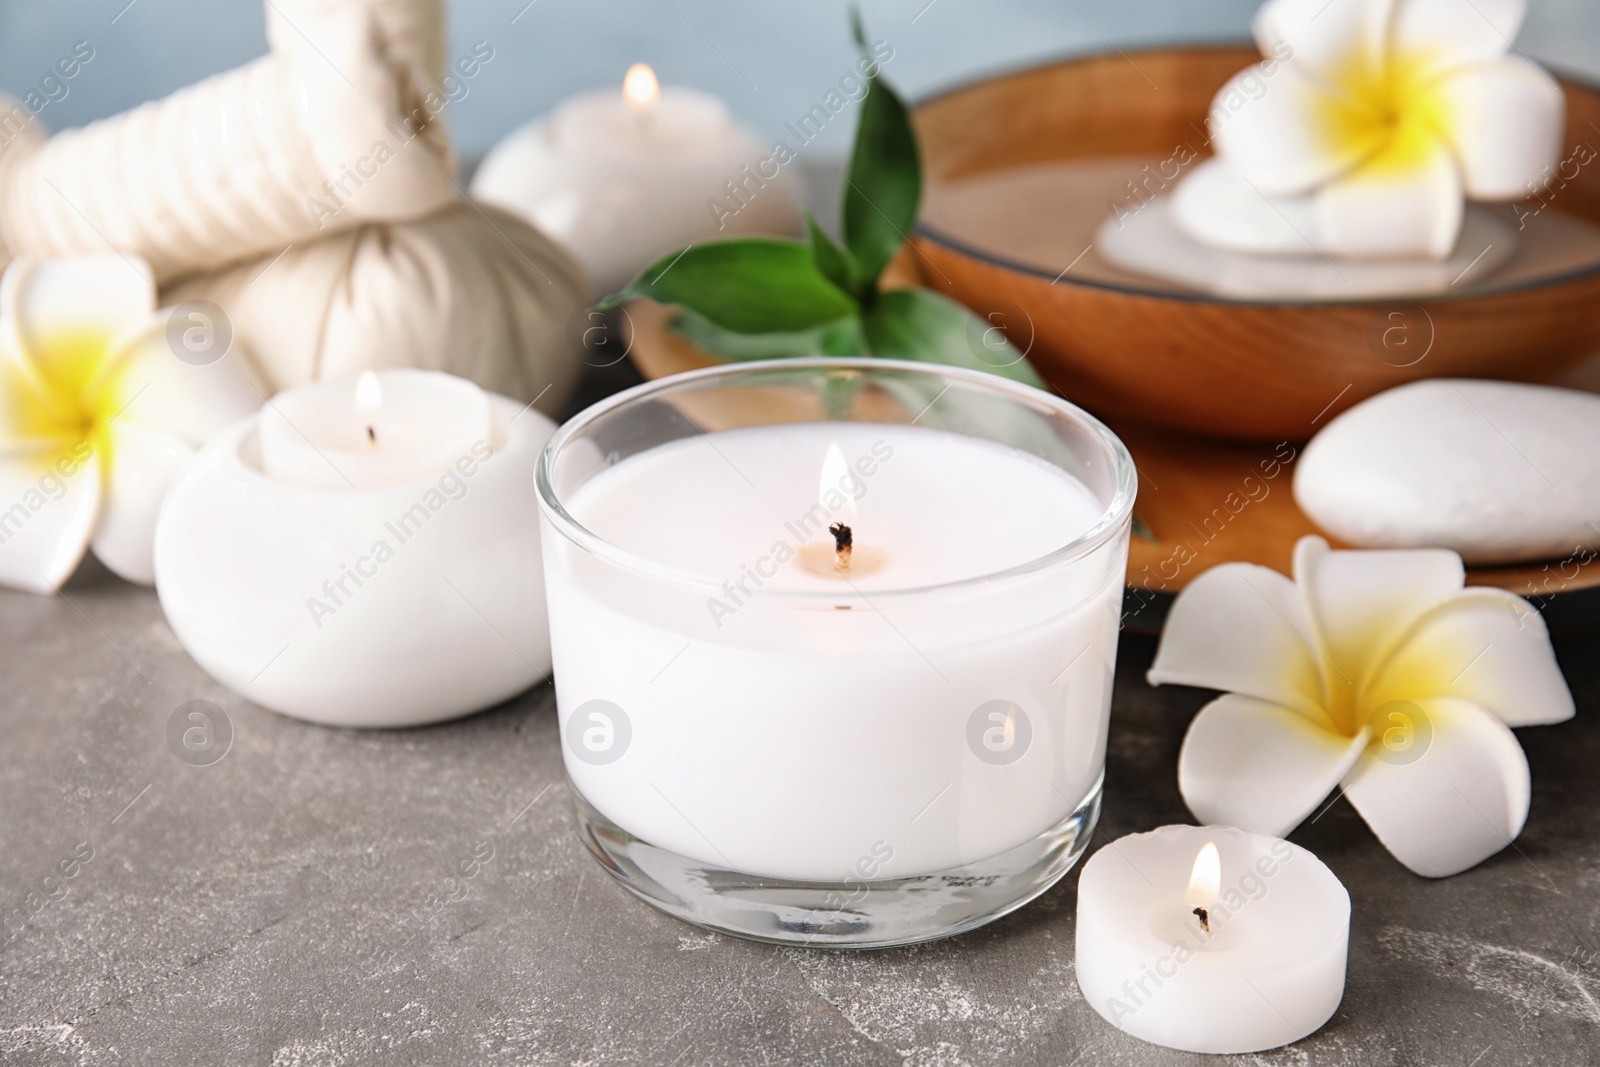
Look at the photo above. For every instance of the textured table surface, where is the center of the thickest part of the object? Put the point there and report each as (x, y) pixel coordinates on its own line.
(290, 904)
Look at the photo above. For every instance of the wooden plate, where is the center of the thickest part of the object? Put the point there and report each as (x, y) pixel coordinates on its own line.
(1201, 502)
(1022, 168)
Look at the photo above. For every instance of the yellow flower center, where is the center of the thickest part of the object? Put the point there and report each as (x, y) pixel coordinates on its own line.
(68, 392)
(1406, 674)
(1391, 117)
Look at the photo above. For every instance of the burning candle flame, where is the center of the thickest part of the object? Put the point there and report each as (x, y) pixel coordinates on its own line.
(369, 399)
(369, 393)
(833, 550)
(836, 482)
(1205, 881)
(640, 88)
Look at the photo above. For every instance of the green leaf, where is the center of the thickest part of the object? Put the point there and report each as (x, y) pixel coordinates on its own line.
(841, 337)
(884, 183)
(921, 325)
(833, 261)
(916, 324)
(748, 285)
(858, 29)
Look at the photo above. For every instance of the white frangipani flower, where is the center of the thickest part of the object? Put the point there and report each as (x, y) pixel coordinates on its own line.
(98, 416)
(1377, 672)
(1370, 126)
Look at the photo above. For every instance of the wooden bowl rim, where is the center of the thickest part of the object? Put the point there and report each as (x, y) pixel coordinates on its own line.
(934, 235)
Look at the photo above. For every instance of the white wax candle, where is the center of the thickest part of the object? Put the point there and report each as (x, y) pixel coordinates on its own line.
(621, 178)
(939, 507)
(1264, 966)
(380, 429)
(792, 738)
(643, 120)
(389, 605)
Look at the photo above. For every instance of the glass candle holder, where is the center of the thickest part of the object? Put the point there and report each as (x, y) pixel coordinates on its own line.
(833, 642)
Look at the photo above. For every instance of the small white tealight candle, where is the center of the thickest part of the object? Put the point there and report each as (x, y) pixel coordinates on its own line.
(364, 552)
(379, 429)
(1211, 939)
(623, 178)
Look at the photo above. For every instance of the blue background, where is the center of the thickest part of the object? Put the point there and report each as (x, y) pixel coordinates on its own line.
(771, 61)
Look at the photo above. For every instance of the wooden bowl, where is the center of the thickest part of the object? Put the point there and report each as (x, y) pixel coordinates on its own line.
(1121, 345)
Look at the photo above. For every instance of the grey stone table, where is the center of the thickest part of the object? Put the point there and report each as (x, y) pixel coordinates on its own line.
(320, 896)
(289, 904)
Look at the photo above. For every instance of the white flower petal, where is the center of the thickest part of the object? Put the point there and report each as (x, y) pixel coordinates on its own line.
(1458, 803)
(103, 297)
(1506, 120)
(1334, 39)
(1286, 134)
(1217, 207)
(1484, 645)
(1361, 603)
(155, 388)
(1243, 629)
(48, 505)
(1259, 766)
(1432, 36)
(1405, 201)
(144, 464)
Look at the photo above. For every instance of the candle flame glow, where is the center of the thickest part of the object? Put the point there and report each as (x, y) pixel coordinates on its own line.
(369, 393)
(640, 88)
(1205, 881)
(836, 482)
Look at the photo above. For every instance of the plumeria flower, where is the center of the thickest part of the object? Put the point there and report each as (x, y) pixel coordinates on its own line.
(1369, 125)
(1376, 672)
(98, 416)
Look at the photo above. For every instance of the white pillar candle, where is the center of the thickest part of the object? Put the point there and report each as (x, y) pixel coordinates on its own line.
(379, 429)
(1211, 939)
(621, 178)
(937, 703)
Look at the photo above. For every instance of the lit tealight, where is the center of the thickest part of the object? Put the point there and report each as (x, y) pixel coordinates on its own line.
(1197, 967)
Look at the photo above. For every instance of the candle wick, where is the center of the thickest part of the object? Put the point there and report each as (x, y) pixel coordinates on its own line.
(372, 435)
(843, 545)
(1205, 919)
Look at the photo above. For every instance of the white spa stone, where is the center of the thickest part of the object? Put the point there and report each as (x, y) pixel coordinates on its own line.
(1498, 471)
(1153, 241)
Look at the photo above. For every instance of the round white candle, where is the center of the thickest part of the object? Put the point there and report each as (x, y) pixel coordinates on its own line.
(379, 429)
(416, 597)
(1269, 970)
(622, 178)
(791, 738)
